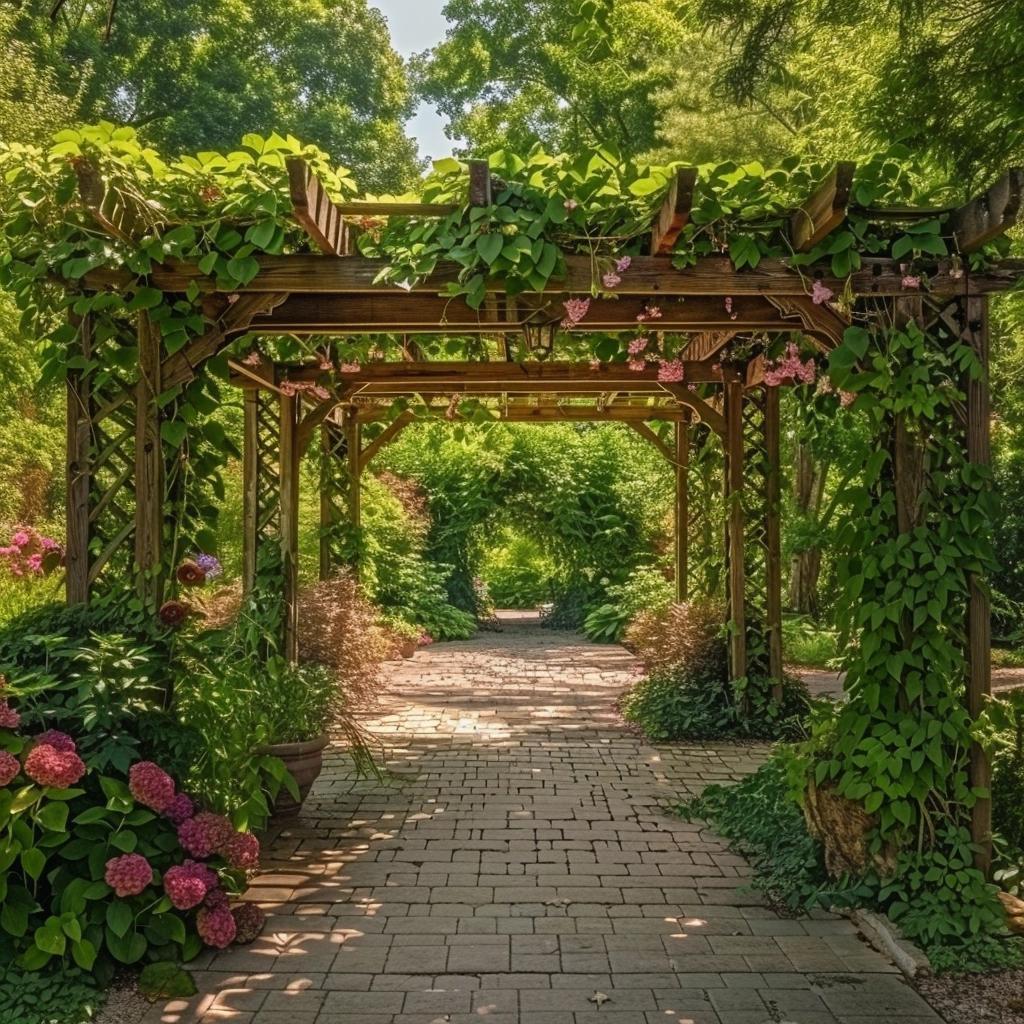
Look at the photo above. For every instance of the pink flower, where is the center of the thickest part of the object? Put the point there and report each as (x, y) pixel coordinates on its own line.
(575, 311)
(216, 926)
(179, 809)
(128, 875)
(9, 767)
(58, 740)
(570, 204)
(847, 398)
(671, 370)
(50, 767)
(636, 365)
(20, 539)
(623, 263)
(595, 364)
(242, 851)
(790, 369)
(349, 368)
(253, 359)
(216, 897)
(289, 388)
(637, 345)
(248, 922)
(820, 294)
(187, 884)
(911, 281)
(151, 785)
(9, 718)
(611, 280)
(205, 834)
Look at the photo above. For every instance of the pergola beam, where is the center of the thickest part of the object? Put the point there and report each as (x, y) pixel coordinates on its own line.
(554, 413)
(990, 214)
(824, 209)
(648, 276)
(321, 218)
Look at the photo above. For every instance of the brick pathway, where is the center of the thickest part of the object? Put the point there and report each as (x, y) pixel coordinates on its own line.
(517, 868)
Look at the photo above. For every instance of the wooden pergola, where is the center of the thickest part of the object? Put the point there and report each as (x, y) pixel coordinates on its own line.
(113, 432)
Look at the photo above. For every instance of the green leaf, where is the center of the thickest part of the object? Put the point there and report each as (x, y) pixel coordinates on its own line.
(489, 246)
(119, 917)
(33, 860)
(53, 817)
(174, 432)
(166, 980)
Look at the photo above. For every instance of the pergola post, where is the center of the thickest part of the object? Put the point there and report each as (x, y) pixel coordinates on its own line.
(773, 539)
(149, 469)
(353, 440)
(736, 603)
(979, 626)
(289, 483)
(682, 533)
(79, 424)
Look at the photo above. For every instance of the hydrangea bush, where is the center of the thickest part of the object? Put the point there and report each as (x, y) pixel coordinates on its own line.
(100, 870)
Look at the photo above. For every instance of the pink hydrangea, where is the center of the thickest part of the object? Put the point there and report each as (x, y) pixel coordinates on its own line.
(205, 834)
(649, 313)
(187, 884)
(349, 368)
(151, 785)
(611, 280)
(622, 264)
(248, 922)
(9, 767)
(820, 293)
(790, 369)
(129, 874)
(179, 809)
(58, 740)
(242, 850)
(9, 718)
(671, 371)
(51, 767)
(216, 926)
(216, 897)
(637, 345)
(911, 281)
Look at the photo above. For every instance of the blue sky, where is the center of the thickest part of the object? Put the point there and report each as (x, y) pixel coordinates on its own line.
(417, 25)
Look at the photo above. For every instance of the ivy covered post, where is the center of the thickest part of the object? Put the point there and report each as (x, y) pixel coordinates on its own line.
(734, 556)
(974, 323)
(261, 527)
(353, 434)
(773, 538)
(79, 474)
(682, 504)
(149, 469)
(339, 466)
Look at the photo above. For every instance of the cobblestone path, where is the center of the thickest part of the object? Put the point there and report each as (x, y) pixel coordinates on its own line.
(517, 867)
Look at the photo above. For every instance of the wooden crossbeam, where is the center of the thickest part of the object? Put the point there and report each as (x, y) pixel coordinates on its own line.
(990, 214)
(674, 212)
(820, 322)
(824, 210)
(648, 275)
(119, 214)
(554, 413)
(313, 208)
(708, 343)
(386, 312)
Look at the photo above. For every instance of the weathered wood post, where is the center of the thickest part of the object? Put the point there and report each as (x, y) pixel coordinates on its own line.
(354, 441)
(682, 533)
(149, 469)
(289, 483)
(979, 626)
(736, 602)
(773, 539)
(79, 471)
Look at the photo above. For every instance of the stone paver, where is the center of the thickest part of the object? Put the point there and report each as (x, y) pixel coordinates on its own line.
(516, 866)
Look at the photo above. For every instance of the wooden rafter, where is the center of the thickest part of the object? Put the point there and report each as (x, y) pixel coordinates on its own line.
(314, 209)
(824, 210)
(674, 213)
(990, 214)
(386, 436)
(649, 435)
(560, 413)
(706, 344)
(121, 215)
(821, 323)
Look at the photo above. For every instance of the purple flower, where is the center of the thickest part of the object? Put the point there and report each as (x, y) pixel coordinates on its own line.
(210, 565)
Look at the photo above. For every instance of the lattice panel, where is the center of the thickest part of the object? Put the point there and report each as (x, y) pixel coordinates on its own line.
(755, 535)
(111, 465)
(338, 540)
(268, 474)
(706, 563)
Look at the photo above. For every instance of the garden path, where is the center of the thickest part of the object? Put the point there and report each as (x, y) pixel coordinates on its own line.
(517, 867)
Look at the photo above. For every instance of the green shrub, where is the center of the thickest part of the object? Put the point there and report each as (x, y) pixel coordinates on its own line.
(518, 573)
(54, 996)
(645, 590)
(805, 642)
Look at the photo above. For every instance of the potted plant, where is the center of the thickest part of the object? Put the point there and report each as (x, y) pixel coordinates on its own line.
(295, 706)
(406, 637)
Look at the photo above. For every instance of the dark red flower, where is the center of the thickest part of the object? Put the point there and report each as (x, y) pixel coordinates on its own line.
(173, 613)
(190, 574)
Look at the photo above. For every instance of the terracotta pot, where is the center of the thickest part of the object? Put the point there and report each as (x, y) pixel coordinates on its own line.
(305, 761)
(408, 648)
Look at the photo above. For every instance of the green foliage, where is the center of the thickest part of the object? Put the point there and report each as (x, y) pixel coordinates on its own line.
(165, 980)
(50, 996)
(518, 572)
(805, 642)
(197, 74)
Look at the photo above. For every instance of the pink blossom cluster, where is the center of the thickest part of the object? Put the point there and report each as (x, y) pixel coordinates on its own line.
(249, 920)
(292, 388)
(611, 280)
(188, 884)
(48, 766)
(205, 834)
(128, 875)
(9, 768)
(790, 369)
(350, 367)
(648, 313)
(575, 311)
(671, 370)
(151, 786)
(637, 345)
(637, 365)
(216, 926)
(9, 718)
(729, 307)
(846, 398)
(820, 293)
(253, 359)
(29, 553)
